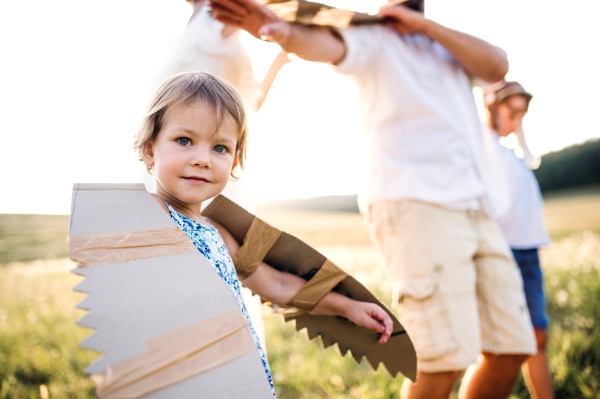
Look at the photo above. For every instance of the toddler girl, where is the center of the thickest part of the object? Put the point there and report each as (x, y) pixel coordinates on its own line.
(192, 137)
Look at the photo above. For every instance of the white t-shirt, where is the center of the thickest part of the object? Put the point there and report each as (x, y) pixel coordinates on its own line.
(523, 224)
(417, 107)
(201, 47)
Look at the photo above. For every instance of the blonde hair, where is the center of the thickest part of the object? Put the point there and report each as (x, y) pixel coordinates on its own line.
(186, 88)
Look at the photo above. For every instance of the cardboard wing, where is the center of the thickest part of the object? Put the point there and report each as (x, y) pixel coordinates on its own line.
(166, 324)
(289, 254)
(315, 13)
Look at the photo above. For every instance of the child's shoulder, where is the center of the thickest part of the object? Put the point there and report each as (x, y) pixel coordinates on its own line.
(224, 233)
(216, 225)
(161, 202)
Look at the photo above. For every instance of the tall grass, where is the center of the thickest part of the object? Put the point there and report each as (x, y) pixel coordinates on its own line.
(29, 237)
(38, 335)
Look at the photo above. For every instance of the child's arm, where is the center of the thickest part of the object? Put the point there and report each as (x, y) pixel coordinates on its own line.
(279, 287)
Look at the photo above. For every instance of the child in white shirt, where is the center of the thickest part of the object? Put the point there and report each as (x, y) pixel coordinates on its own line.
(523, 224)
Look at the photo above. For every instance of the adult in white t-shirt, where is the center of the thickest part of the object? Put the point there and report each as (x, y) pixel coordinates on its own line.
(208, 45)
(523, 224)
(432, 193)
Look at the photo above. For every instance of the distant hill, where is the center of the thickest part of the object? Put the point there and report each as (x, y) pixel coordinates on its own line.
(332, 203)
(571, 167)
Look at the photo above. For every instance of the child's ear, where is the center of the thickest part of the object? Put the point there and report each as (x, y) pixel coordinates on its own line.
(148, 153)
(236, 162)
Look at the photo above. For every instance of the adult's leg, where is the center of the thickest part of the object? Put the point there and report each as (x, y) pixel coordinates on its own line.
(535, 369)
(506, 328)
(494, 377)
(429, 255)
(430, 385)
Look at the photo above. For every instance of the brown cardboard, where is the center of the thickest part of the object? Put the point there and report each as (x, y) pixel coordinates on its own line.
(291, 255)
(325, 280)
(315, 13)
(258, 241)
(132, 304)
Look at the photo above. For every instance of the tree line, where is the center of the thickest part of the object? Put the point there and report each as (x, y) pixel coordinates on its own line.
(571, 167)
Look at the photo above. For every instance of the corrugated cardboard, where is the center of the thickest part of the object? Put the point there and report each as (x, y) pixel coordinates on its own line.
(134, 301)
(315, 13)
(291, 255)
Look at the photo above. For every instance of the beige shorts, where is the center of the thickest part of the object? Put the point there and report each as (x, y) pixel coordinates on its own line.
(458, 288)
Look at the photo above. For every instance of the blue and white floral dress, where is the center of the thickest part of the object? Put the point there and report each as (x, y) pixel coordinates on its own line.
(211, 245)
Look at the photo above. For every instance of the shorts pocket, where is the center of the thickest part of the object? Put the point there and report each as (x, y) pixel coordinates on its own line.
(425, 315)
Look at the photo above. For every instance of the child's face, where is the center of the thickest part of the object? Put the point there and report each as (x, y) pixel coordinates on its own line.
(190, 162)
(510, 114)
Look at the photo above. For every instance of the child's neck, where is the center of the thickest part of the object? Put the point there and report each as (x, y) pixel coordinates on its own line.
(192, 211)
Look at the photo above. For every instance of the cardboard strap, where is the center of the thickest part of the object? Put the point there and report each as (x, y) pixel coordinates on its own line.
(177, 356)
(328, 276)
(258, 241)
(101, 249)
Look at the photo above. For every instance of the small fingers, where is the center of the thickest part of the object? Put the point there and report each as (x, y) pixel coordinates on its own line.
(374, 325)
(385, 335)
(386, 324)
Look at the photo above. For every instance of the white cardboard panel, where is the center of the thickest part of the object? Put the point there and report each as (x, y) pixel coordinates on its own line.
(160, 294)
(130, 302)
(97, 211)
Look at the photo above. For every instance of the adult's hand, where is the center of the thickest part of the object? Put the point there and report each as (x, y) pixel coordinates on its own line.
(311, 43)
(403, 19)
(253, 17)
(479, 58)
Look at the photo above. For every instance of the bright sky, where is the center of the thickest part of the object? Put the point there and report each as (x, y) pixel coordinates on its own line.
(75, 76)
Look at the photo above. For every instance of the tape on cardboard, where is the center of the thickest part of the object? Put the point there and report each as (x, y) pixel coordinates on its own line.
(328, 276)
(101, 249)
(176, 356)
(258, 241)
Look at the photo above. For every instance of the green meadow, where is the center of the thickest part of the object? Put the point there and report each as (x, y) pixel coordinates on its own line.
(39, 356)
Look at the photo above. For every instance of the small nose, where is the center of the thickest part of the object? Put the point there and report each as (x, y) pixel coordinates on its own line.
(202, 158)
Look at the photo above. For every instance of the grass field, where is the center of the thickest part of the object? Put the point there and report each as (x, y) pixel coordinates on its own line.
(38, 335)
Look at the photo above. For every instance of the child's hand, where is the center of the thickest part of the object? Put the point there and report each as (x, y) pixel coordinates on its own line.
(371, 316)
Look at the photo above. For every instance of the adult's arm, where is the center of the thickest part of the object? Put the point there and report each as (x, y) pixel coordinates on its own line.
(311, 43)
(478, 57)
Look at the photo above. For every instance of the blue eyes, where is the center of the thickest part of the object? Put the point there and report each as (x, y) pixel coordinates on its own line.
(219, 148)
(183, 141)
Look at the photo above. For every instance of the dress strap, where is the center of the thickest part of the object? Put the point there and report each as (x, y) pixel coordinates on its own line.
(174, 214)
(179, 218)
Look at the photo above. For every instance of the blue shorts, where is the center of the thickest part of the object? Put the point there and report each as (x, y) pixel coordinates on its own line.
(533, 283)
